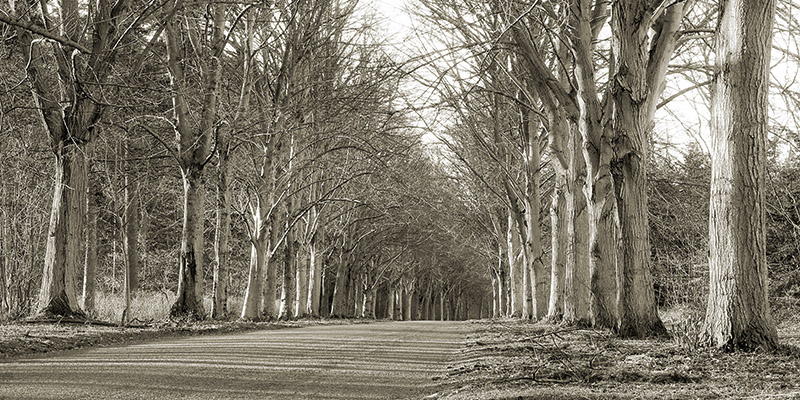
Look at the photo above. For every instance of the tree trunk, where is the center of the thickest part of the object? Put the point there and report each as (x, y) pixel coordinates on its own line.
(130, 245)
(442, 314)
(327, 293)
(495, 295)
(358, 295)
(57, 296)
(339, 306)
(219, 294)
(289, 275)
(638, 316)
(514, 252)
(369, 302)
(301, 280)
(131, 235)
(252, 296)
(314, 274)
(738, 313)
(408, 296)
(269, 296)
(90, 267)
(189, 301)
(5, 309)
(390, 299)
(598, 188)
(558, 226)
(576, 279)
(399, 311)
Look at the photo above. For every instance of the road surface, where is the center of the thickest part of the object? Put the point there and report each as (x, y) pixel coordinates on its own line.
(365, 361)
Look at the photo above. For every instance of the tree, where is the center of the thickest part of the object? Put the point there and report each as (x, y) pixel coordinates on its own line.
(639, 67)
(738, 313)
(68, 95)
(194, 134)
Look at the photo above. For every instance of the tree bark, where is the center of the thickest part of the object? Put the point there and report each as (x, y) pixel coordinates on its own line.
(514, 253)
(90, 267)
(219, 296)
(315, 272)
(301, 280)
(637, 313)
(57, 296)
(576, 280)
(390, 302)
(599, 186)
(408, 298)
(358, 294)
(289, 276)
(369, 302)
(271, 308)
(559, 234)
(252, 296)
(338, 308)
(442, 313)
(738, 313)
(536, 269)
(189, 301)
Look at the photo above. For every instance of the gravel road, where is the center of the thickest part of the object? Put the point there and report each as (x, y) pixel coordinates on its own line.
(365, 361)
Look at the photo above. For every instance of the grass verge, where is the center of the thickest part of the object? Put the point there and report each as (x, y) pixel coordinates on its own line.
(514, 359)
(21, 338)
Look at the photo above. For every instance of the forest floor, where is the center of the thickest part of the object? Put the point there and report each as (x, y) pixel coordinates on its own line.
(522, 360)
(27, 337)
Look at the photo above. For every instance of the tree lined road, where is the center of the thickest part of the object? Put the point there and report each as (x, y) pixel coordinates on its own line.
(381, 360)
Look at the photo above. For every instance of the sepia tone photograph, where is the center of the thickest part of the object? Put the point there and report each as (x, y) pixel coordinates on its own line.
(399, 199)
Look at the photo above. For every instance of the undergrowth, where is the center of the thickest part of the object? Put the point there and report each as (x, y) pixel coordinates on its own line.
(148, 306)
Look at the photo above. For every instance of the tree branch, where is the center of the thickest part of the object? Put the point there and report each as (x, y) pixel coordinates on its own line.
(43, 32)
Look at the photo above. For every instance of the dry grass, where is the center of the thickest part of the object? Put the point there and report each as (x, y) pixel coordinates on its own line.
(21, 338)
(147, 307)
(518, 359)
(149, 319)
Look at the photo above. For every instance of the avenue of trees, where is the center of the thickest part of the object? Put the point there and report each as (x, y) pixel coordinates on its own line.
(262, 160)
(259, 145)
(552, 120)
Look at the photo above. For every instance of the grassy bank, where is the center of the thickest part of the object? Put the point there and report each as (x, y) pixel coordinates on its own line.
(513, 359)
(22, 338)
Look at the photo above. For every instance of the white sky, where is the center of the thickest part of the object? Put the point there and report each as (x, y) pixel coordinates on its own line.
(683, 121)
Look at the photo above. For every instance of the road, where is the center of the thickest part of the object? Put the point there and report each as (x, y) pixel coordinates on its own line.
(365, 361)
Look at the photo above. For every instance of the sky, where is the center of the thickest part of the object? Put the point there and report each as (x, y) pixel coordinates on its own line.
(684, 121)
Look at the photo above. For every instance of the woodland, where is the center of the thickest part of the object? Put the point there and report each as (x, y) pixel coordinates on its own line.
(588, 163)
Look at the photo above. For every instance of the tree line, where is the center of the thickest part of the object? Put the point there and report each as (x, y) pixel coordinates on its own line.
(305, 189)
(554, 108)
(309, 189)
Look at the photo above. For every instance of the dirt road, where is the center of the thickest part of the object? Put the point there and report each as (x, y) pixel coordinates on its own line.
(366, 361)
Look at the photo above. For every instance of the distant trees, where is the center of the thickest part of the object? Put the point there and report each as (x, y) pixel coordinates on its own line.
(596, 146)
(292, 104)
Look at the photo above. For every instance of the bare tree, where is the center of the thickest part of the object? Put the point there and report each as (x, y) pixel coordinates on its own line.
(194, 134)
(69, 60)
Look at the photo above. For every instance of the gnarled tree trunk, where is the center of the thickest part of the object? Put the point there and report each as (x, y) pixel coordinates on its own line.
(638, 316)
(57, 296)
